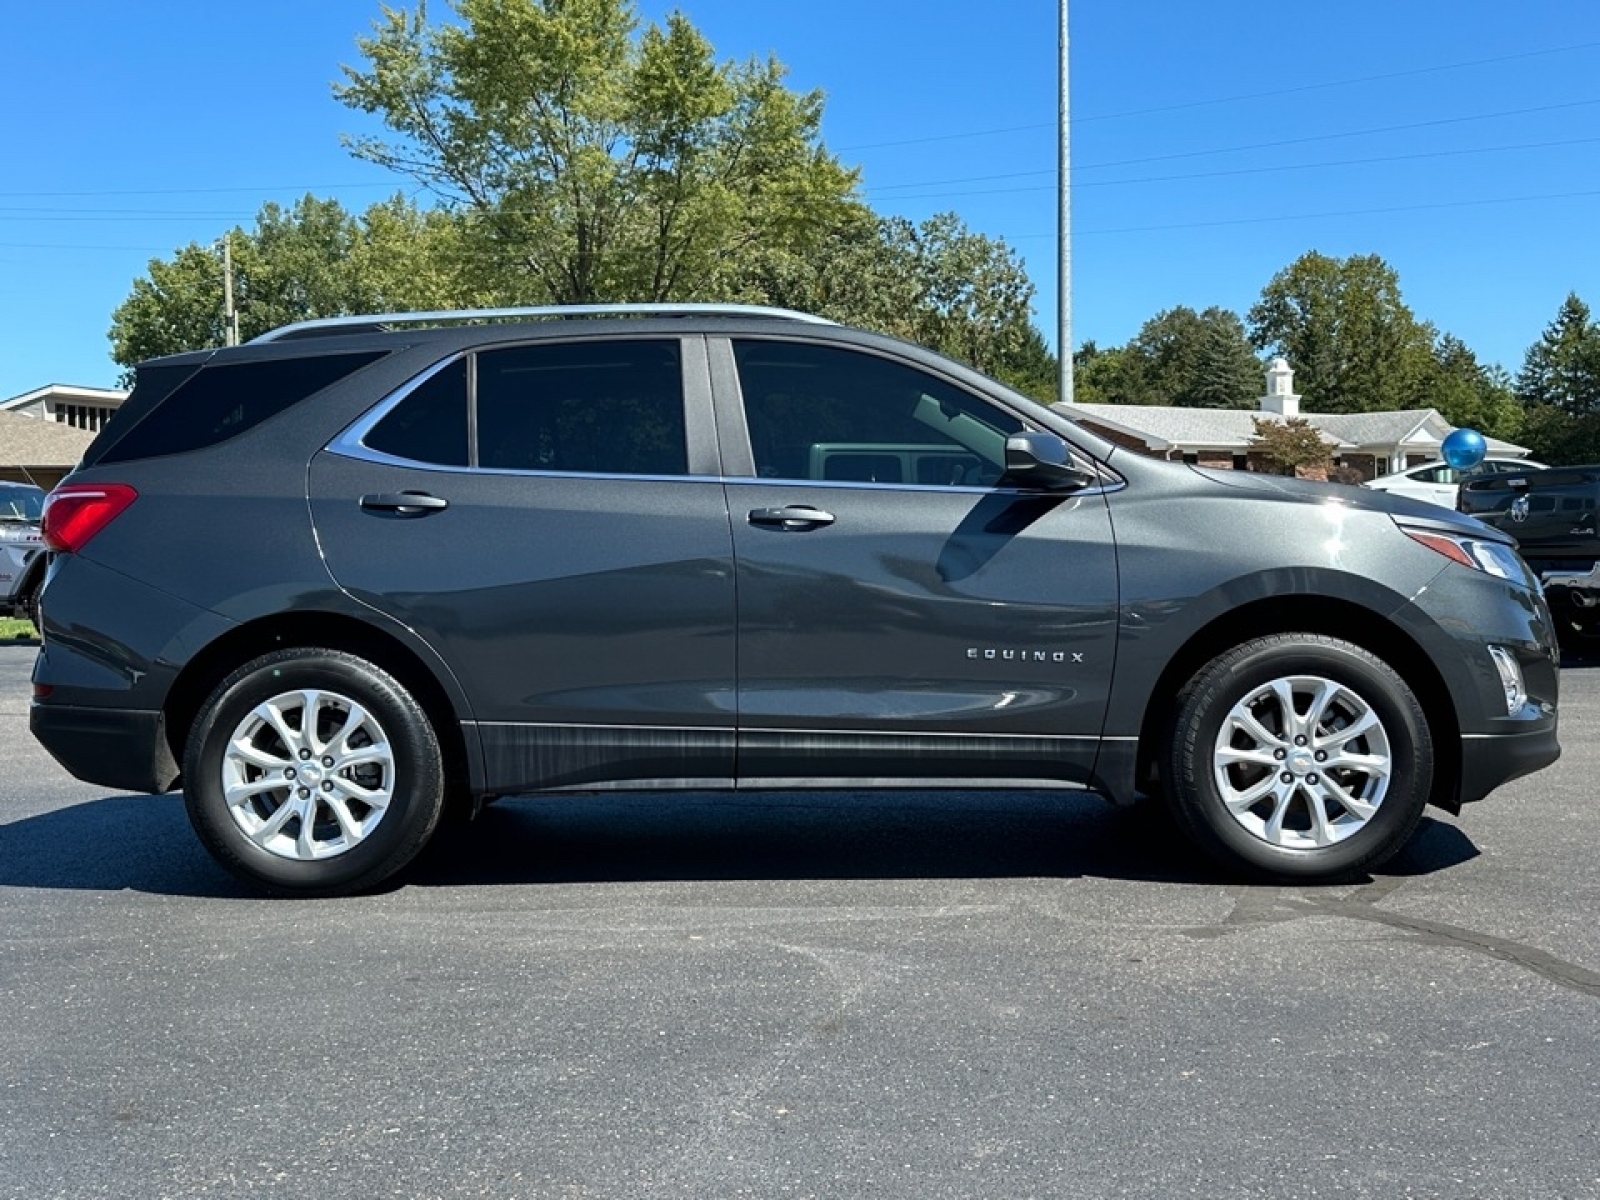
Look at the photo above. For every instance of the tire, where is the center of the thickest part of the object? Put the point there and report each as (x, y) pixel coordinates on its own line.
(325, 812)
(1246, 783)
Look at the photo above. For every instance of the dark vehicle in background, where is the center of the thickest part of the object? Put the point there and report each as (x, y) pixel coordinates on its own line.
(1552, 514)
(22, 556)
(358, 571)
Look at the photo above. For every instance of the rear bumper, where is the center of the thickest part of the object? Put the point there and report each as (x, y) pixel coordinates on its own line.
(1488, 760)
(120, 748)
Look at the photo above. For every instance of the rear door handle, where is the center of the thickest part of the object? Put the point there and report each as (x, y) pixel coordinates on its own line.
(404, 504)
(791, 516)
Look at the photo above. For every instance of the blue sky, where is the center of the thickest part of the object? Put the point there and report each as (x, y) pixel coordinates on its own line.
(1212, 145)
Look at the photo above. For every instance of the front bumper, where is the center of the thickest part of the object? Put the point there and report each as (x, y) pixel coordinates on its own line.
(1488, 760)
(122, 748)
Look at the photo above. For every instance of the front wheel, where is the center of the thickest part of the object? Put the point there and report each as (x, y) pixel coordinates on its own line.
(1299, 757)
(312, 772)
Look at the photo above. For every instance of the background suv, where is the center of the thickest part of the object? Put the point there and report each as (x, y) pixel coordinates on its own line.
(21, 547)
(340, 578)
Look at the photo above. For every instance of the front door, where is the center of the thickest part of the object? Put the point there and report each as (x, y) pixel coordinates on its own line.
(903, 612)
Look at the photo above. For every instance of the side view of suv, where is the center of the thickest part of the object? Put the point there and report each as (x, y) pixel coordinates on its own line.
(338, 579)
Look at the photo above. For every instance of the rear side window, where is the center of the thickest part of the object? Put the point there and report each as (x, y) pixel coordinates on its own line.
(429, 425)
(611, 407)
(221, 402)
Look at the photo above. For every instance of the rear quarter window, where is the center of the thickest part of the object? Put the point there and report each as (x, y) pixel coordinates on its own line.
(221, 401)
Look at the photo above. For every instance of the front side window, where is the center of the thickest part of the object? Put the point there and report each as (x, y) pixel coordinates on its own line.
(824, 413)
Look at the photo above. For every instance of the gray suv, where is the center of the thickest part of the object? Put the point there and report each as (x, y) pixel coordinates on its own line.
(343, 578)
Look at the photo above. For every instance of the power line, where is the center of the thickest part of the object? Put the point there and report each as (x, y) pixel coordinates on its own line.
(1275, 169)
(1189, 104)
(1322, 216)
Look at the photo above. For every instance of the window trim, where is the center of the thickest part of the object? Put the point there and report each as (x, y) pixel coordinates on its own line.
(738, 461)
(702, 460)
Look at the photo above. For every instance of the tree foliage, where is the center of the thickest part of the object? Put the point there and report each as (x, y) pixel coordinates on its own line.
(596, 162)
(1562, 369)
(1559, 387)
(1290, 443)
(938, 284)
(313, 259)
(1343, 326)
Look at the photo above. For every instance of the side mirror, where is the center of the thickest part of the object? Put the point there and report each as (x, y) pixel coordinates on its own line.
(1043, 460)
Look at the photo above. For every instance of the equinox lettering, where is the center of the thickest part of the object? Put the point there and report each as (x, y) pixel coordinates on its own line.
(995, 655)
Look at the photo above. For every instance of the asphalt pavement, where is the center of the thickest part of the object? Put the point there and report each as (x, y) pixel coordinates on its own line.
(918, 995)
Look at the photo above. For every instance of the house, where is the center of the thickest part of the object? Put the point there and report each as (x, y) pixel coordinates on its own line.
(1370, 444)
(67, 404)
(39, 452)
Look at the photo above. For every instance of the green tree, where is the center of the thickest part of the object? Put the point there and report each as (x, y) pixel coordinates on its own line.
(1291, 443)
(1106, 376)
(311, 260)
(1562, 368)
(1469, 394)
(595, 162)
(1343, 326)
(938, 284)
(1196, 360)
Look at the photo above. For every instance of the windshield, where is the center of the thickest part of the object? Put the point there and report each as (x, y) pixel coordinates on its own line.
(21, 504)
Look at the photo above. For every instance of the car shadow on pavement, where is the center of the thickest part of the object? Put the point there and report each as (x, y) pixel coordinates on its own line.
(144, 843)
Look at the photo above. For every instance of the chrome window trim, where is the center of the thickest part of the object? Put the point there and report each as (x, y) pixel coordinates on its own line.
(351, 444)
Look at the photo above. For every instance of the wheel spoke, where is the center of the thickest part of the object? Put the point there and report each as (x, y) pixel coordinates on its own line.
(1359, 809)
(271, 714)
(1245, 720)
(1334, 739)
(1280, 810)
(244, 751)
(1283, 689)
(273, 825)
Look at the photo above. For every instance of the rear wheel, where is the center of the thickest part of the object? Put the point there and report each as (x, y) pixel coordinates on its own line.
(1299, 757)
(313, 773)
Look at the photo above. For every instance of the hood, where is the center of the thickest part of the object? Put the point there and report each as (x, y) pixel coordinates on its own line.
(1403, 509)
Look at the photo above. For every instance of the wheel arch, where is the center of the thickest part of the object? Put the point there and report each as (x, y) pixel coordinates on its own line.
(1331, 617)
(332, 631)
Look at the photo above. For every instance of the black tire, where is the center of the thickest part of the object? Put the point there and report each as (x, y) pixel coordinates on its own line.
(1383, 811)
(347, 845)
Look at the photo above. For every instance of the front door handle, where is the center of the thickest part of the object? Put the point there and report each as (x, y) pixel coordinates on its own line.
(791, 516)
(404, 504)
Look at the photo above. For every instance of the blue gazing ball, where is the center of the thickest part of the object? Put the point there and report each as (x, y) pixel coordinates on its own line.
(1464, 449)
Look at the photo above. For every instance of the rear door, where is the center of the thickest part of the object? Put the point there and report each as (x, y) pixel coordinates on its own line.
(547, 516)
(904, 613)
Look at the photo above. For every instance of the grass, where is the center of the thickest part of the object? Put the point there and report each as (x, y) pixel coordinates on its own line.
(14, 630)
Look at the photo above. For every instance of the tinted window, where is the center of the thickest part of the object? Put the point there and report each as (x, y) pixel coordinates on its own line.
(220, 402)
(816, 412)
(596, 407)
(429, 425)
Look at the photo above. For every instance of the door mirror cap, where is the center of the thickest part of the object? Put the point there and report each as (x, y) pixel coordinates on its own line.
(1043, 460)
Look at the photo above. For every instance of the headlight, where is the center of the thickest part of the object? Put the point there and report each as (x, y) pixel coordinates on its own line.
(1495, 558)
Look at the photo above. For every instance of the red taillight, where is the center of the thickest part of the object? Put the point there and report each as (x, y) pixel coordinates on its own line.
(75, 512)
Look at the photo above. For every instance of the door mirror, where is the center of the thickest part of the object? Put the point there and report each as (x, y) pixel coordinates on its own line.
(1043, 460)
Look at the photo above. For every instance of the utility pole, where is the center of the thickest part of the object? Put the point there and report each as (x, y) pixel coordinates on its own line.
(1064, 227)
(230, 318)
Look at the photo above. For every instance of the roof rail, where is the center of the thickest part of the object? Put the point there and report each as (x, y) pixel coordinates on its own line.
(382, 321)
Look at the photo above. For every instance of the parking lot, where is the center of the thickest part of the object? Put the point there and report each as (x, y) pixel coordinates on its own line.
(920, 995)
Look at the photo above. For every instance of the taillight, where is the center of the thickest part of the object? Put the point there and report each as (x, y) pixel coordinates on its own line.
(75, 512)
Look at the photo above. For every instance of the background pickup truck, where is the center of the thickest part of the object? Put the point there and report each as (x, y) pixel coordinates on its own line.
(1552, 514)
